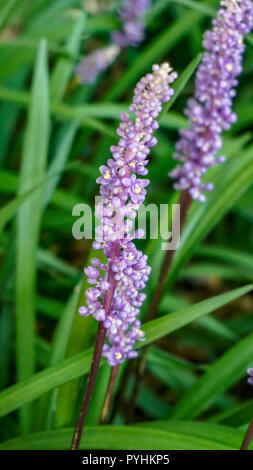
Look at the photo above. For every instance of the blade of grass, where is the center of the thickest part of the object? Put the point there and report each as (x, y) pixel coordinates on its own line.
(50, 261)
(219, 377)
(62, 112)
(97, 400)
(9, 113)
(236, 416)
(28, 222)
(199, 6)
(168, 323)
(75, 366)
(64, 67)
(181, 373)
(58, 348)
(182, 82)
(11, 207)
(125, 437)
(222, 434)
(231, 256)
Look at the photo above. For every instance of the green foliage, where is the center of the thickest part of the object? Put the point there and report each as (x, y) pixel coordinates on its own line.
(54, 135)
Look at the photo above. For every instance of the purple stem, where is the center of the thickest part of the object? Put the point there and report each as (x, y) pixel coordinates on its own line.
(248, 436)
(100, 339)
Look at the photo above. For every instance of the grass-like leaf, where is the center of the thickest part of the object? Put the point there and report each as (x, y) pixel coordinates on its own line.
(15, 396)
(219, 377)
(64, 67)
(181, 82)
(130, 437)
(28, 221)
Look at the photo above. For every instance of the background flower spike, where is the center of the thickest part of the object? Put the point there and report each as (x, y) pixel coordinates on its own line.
(210, 109)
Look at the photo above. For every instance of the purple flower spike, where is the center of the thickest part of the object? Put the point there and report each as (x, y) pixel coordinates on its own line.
(95, 63)
(133, 27)
(210, 110)
(126, 271)
(250, 373)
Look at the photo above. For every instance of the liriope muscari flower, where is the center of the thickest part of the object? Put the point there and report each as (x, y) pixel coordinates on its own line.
(131, 35)
(93, 64)
(115, 296)
(131, 15)
(250, 373)
(210, 110)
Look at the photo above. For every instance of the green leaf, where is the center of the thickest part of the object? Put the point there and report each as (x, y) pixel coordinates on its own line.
(172, 371)
(9, 113)
(235, 416)
(241, 260)
(48, 261)
(199, 6)
(214, 270)
(211, 432)
(182, 82)
(33, 166)
(10, 208)
(151, 403)
(57, 353)
(68, 133)
(65, 138)
(123, 437)
(64, 67)
(18, 394)
(220, 376)
(63, 112)
(168, 323)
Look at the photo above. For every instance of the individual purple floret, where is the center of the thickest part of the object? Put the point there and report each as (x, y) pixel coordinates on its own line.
(210, 110)
(133, 27)
(93, 64)
(115, 296)
(250, 373)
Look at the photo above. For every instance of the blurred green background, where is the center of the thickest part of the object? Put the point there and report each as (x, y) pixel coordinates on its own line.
(54, 135)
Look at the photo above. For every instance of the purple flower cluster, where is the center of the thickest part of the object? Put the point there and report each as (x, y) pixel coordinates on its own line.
(250, 373)
(114, 297)
(210, 110)
(131, 14)
(131, 35)
(93, 64)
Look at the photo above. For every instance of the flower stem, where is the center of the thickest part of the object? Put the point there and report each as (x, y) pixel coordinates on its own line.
(248, 436)
(109, 394)
(100, 339)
